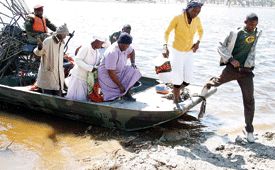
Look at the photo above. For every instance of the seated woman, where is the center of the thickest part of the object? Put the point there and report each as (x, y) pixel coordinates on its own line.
(87, 60)
(114, 76)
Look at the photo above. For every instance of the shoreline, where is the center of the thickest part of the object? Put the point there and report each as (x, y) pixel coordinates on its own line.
(179, 144)
(185, 149)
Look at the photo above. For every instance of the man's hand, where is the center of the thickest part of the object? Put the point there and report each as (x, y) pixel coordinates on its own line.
(134, 65)
(195, 47)
(95, 69)
(71, 34)
(165, 51)
(122, 89)
(235, 63)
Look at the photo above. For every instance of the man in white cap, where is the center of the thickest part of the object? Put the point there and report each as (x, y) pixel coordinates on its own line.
(37, 26)
(86, 62)
(51, 73)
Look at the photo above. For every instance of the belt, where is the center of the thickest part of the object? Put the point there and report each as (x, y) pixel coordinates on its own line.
(244, 70)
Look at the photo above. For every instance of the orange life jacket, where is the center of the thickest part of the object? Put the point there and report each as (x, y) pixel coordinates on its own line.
(39, 24)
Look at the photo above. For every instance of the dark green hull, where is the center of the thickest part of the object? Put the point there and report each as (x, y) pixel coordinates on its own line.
(119, 114)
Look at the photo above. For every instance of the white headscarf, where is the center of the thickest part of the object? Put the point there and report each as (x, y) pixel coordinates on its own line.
(102, 39)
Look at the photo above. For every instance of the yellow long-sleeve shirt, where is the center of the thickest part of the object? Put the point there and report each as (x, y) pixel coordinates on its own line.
(184, 32)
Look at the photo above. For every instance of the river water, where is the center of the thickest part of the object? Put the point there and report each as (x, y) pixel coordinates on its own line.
(47, 142)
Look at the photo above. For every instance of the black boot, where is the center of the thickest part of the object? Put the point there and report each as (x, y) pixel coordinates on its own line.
(128, 97)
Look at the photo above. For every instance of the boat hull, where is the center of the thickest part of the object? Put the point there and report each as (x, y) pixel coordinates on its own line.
(121, 114)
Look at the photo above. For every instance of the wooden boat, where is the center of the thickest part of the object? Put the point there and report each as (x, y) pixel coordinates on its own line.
(150, 108)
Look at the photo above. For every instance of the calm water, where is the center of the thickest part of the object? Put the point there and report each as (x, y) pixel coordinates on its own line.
(52, 142)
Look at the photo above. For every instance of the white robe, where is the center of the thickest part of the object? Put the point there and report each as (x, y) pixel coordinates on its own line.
(51, 72)
(86, 60)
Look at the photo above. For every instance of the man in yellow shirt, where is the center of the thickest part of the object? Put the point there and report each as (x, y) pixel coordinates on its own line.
(185, 25)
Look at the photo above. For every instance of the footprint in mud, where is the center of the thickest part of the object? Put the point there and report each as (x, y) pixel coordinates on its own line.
(52, 136)
(174, 135)
(269, 136)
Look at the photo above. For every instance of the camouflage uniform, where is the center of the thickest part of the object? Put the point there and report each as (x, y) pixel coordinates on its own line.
(113, 38)
(31, 34)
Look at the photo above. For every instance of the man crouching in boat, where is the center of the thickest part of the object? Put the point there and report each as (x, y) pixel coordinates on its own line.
(115, 77)
(51, 72)
(86, 62)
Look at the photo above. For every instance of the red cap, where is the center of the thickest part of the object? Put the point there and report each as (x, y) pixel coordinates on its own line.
(38, 6)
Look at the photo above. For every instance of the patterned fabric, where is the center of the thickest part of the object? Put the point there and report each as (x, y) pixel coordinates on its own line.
(92, 78)
(193, 4)
(96, 94)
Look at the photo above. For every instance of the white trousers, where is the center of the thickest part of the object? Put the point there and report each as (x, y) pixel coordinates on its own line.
(182, 66)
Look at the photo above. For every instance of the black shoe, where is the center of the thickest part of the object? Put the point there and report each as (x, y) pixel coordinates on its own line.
(128, 97)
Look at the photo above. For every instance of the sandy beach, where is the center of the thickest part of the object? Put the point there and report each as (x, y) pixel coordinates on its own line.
(180, 144)
(189, 147)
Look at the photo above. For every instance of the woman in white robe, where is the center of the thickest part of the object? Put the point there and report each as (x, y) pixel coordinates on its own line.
(87, 60)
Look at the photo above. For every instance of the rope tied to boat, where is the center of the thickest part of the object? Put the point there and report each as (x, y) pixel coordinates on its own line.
(203, 107)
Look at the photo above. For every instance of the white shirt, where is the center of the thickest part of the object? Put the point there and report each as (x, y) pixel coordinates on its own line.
(86, 60)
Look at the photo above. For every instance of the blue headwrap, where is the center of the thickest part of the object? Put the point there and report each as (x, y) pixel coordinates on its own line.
(193, 4)
(125, 38)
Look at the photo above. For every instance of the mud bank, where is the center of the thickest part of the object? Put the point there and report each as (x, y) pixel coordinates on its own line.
(190, 147)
